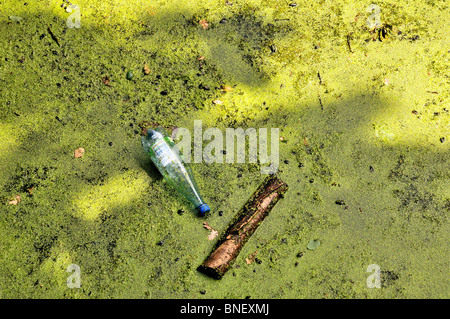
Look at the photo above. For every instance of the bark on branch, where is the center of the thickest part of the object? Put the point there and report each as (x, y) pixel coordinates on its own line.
(243, 226)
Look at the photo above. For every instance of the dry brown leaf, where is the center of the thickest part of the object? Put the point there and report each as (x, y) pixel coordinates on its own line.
(204, 23)
(146, 69)
(201, 58)
(251, 258)
(105, 80)
(15, 200)
(79, 152)
(305, 141)
(213, 234)
(226, 88)
(205, 224)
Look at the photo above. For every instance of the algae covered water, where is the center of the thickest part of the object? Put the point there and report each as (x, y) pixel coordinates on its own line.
(361, 102)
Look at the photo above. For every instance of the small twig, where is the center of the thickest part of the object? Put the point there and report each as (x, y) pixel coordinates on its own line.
(53, 36)
(320, 101)
(348, 42)
(318, 94)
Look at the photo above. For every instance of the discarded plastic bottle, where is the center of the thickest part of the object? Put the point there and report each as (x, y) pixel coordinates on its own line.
(172, 166)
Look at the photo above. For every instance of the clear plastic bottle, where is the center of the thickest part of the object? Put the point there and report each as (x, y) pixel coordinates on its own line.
(172, 166)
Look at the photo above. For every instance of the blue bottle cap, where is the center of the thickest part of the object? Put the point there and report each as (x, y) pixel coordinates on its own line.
(203, 209)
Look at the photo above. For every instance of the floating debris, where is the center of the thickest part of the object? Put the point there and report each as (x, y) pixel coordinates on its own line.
(226, 88)
(79, 152)
(313, 244)
(204, 23)
(305, 141)
(15, 18)
(349, 37)
(167, 159)
(243, 226)
(213, 234)
(15, 200)
(251, 258)
(54, 37)
(106, 80)
(217, 102)
(146, 69)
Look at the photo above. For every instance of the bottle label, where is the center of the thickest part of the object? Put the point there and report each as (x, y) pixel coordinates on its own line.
(162, 152)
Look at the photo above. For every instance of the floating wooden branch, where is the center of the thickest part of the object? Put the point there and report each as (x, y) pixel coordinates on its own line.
(243, 226)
